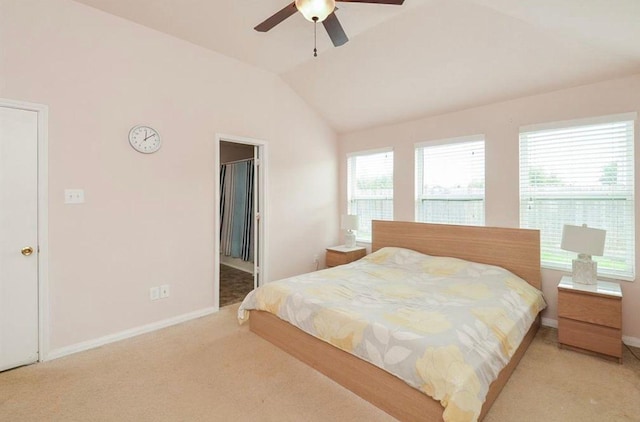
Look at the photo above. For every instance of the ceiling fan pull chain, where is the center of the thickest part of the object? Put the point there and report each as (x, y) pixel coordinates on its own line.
(315, 37)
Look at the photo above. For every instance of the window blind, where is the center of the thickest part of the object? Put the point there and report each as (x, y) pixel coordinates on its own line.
(581, 174)
(450, 182)
(370, 189)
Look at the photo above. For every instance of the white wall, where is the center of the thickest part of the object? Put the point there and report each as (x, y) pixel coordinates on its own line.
(500, 124)
(148, 219)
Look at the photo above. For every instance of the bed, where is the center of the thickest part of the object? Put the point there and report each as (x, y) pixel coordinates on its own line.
(515, 250)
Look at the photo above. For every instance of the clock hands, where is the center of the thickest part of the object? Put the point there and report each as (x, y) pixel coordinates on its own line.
(147, 137)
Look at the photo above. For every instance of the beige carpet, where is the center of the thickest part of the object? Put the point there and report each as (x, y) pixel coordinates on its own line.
(212, 370)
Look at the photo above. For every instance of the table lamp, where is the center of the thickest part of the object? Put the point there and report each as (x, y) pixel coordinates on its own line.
(586, 241)
(349, 223)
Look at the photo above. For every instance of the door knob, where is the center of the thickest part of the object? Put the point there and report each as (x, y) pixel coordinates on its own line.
(27, 250)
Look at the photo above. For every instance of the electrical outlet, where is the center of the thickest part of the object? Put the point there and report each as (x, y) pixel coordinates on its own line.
(316, 259)
(74, 196)
(164, 291)
(154, 293)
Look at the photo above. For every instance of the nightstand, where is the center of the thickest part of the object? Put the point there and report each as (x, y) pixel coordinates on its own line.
(590, 317)
(340, 255)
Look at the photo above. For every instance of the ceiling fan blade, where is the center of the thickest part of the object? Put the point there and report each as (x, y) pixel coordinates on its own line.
(335, 31)
(277, 18)
(396, 2)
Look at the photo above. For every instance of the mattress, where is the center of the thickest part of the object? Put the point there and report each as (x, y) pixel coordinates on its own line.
(443, 325)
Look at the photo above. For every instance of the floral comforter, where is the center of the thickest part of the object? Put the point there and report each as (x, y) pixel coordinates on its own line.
(443, 325)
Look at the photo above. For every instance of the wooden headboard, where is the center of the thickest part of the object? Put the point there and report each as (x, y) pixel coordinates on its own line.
(517, 250)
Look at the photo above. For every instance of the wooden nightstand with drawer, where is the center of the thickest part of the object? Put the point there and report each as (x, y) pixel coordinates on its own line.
(340, 255)
(590, 317)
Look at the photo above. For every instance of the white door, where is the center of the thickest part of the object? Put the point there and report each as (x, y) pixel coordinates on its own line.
(257, 218)
(18, 237)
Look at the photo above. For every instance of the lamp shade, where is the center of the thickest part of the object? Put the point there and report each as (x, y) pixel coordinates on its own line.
(349, 222)
(583, 239)
(318, 9)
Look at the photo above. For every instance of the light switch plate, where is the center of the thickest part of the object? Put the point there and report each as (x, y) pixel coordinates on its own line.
(74, 196)
(154, 293)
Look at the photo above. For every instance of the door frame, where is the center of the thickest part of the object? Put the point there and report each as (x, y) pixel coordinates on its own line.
(43, 219)
(262, 195)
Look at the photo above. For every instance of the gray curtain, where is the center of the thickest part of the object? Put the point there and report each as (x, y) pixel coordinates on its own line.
(236, 209)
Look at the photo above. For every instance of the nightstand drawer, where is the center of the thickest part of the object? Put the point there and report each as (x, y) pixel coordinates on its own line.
(592, 309)
(334, 258)
(591, 337)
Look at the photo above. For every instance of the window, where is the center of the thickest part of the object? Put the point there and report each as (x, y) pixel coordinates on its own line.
(450, 182)
(370, 189)
(581, 173)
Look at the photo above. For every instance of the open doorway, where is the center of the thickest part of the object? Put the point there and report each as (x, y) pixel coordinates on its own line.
(239, 218)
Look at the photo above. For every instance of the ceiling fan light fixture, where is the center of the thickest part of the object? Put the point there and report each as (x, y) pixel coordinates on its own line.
(316, 10)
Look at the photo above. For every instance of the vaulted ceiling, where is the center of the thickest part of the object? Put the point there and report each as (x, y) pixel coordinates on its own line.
(423, 58)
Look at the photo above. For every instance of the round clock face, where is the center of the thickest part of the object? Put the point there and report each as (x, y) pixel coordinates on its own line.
(144, 139)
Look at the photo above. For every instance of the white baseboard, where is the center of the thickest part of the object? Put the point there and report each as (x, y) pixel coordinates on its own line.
(548, 322)
(111, 338)
(631, 341)
(628, 340)
(132, 332)
(237, 263)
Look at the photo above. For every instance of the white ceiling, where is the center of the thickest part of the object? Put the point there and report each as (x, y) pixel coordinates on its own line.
(423, 58)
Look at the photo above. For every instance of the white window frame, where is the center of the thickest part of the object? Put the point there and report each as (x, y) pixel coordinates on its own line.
(629, 273)
(363, 234)
(419, 176)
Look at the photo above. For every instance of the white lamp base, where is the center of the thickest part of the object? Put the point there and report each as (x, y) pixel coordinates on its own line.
(349, 239)
(585, 270)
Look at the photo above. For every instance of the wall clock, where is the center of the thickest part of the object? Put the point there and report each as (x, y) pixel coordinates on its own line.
(144, 139)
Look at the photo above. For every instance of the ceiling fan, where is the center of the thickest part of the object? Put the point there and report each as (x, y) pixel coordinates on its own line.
(318, 11)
